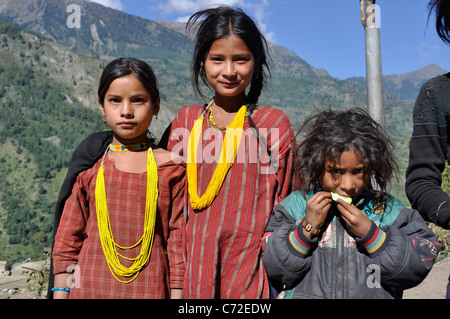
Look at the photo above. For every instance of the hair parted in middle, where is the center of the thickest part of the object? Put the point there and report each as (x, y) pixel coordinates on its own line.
(121, 67)
(218, 23)
(325, 135)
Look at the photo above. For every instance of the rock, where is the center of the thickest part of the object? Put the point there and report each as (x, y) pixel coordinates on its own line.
(3, 271)
(26, 295)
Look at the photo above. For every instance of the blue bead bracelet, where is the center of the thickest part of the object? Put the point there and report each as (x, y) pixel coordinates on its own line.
(60, 289)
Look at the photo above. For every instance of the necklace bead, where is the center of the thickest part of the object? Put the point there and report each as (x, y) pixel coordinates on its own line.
(211, 120)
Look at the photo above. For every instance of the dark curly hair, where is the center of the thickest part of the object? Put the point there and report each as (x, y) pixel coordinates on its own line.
(217, 23)
(327, 134)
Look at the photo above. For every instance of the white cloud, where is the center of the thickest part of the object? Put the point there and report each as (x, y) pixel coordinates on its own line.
(260, 15)
(115, 4)
(183, 19)
(427, 50)
(271, 37)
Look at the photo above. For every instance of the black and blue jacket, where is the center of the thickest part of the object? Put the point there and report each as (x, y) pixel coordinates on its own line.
(396, 254)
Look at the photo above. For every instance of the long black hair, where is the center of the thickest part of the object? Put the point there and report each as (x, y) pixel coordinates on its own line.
(442, 11)
(125, 66)
(327, 134)
(217, 24)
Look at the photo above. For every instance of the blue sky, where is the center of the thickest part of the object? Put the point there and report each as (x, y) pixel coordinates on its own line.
(325, 33)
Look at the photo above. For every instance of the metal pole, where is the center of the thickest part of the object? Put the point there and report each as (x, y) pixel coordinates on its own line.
(374, 74)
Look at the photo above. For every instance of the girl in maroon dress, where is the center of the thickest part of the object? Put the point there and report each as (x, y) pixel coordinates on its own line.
(120, 234)
(230, 205)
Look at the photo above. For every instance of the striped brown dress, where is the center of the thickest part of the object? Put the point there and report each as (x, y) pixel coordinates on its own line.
(223, 241)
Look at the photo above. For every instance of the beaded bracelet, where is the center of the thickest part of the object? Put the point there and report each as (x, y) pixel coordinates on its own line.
(60, 289)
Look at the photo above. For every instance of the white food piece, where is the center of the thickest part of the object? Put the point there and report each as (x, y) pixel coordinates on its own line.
(335, 197)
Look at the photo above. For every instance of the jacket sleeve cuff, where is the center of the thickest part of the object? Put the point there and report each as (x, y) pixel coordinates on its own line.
(299, 244)
(375, 240)
(443, 215)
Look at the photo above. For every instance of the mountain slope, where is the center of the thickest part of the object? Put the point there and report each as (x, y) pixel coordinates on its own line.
(106, 33)
(406, 86)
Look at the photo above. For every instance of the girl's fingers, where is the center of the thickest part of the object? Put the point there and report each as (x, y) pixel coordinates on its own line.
(356, 220)
(322, 198)
(322, 206)
(346, 208)
(317, 208)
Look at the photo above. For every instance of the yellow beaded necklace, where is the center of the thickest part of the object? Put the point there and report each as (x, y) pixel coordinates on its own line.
(109, 246)
(226, 159)
(211, 119)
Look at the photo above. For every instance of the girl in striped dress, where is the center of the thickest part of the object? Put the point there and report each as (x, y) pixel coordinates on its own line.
(240, 159)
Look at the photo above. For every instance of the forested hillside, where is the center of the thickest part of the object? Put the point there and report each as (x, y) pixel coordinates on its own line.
(48, 83)
(41, 122)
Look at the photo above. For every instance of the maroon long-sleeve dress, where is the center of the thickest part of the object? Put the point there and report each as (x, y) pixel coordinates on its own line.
(223, 241)
(78, 243)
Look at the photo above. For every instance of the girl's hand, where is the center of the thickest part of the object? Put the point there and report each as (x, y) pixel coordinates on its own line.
(356, 220)
(176, 294)
(317, 209)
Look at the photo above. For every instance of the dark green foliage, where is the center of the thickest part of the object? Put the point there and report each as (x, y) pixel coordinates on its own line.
(11, 30)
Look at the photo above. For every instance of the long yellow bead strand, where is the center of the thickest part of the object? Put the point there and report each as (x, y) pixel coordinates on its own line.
(109, 246)
(227, 156)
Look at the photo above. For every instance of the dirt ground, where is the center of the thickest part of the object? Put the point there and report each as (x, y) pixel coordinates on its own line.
(434, 286)
(14, 286)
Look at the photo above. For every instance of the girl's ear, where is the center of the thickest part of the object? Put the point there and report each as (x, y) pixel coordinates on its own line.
(156, 110)
(202, 69)
(102, 108)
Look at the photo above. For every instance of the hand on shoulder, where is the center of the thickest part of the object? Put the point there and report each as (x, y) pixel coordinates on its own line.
(163, 156)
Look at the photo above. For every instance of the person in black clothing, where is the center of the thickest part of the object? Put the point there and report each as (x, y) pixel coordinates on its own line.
(429, 145)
